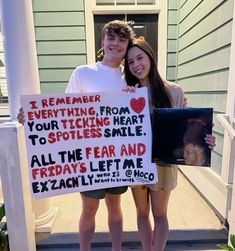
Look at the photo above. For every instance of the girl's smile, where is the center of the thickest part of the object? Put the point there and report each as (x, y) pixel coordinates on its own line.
(139, 64)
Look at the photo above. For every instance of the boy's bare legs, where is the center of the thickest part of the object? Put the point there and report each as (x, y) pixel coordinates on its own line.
(113, 203)
(87, 222)
(141, 198)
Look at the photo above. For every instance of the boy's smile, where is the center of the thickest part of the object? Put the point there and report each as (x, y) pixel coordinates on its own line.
(115, 48)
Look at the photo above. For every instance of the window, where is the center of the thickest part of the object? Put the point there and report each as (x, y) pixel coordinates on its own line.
(125, 2)
(4, 109)
(3, 82)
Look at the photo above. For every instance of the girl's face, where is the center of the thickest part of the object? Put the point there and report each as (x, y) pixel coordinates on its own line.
(139, 64)
(115, 48)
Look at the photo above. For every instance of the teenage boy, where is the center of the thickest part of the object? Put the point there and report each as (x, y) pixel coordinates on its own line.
(103, 76)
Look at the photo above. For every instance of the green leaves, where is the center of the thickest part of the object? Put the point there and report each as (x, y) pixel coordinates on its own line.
(3, 230)
(232, 240)
(226, 246)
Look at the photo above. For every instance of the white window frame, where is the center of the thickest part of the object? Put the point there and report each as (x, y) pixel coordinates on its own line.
(119, 2)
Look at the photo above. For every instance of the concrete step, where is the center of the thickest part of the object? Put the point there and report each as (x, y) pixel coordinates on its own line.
(175, 237)
(137, 247)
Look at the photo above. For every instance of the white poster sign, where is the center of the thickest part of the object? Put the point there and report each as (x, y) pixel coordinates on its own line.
(81, 142)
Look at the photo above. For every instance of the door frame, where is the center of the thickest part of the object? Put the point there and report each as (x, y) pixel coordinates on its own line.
(160, 8)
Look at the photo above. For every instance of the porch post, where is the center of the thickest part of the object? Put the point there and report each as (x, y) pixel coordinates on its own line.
(15, 187)
(22, 74)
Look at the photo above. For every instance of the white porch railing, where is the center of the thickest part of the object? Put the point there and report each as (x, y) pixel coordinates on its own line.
(230, 130)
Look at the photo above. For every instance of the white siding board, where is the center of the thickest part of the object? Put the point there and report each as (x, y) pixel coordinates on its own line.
(211, 42)
(171, 73)
(173, 5)
(59, 19)
(217, 126)
(2, 73)
(172, 31)
(219, 144)
(171, 59)
(182, 2)
(51, 87)
(217, 81)
(60, 33)
(172, 45)
(172, 17)
(211, 62)
(61, 61)
(55, 75)
(188, 8)
(1, 44)
(2, 58)
(58, 5)
(61, 47)
(219, 17)
(216, 162)
(197, 14)
(3, 84)
(217, 101)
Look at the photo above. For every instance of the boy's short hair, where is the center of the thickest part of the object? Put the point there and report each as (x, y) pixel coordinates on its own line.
(118, 27)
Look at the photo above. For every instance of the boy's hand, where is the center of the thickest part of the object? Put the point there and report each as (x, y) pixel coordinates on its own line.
(20, 116)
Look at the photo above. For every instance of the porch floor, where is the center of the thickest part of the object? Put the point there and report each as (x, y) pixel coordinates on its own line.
(190, 219)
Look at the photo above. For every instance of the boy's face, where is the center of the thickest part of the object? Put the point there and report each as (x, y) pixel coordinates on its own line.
(115, 47)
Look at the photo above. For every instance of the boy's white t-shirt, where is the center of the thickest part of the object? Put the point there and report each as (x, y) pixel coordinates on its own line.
(96, 78)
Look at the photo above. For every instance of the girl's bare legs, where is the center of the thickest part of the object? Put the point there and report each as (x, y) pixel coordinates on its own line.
(113, 203)
(141, 198)
(87, 222)
(159, 201)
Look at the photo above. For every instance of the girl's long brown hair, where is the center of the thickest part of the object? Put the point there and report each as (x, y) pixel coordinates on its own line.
(160, 98)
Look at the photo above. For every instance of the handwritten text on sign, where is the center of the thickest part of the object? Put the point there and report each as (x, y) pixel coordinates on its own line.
(80, 142)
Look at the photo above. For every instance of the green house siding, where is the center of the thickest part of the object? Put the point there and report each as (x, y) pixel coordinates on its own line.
(172, 36)
(60, 40)
(204, 37)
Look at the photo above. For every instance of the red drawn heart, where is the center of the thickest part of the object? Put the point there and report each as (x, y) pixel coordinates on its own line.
(137, 105)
